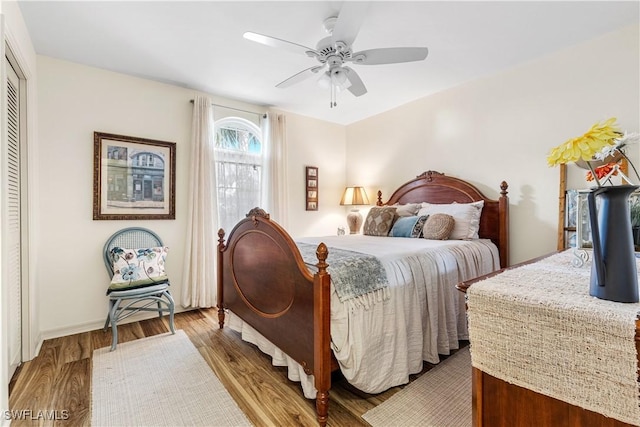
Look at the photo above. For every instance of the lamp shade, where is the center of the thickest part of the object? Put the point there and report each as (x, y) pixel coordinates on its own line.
(354, 196)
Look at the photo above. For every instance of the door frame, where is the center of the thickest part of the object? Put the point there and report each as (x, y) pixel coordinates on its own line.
(11, 49)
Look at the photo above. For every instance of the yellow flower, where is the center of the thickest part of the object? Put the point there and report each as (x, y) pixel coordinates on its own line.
(584, 147)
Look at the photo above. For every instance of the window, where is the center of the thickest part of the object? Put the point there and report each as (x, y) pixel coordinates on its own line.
(238, 151)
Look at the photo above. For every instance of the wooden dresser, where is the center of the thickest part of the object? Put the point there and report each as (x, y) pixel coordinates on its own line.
(497, 403)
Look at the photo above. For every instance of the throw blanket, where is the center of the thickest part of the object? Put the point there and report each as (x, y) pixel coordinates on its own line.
(356, 277)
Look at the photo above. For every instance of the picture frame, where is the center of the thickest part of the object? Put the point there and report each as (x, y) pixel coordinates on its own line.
(133, 178)
(311, 188)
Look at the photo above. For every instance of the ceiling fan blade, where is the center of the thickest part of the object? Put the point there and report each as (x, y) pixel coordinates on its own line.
(390, 55)
(349, 21)
(279, 43)
(302, 75)
(357, 87)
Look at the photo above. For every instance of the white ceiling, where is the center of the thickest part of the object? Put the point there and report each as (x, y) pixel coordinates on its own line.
(199, 44)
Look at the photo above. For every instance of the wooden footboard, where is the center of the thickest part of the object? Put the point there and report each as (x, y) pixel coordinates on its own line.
(263, 280)
(262, 277)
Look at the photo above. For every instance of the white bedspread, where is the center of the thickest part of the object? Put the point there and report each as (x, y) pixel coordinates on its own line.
(378, 347)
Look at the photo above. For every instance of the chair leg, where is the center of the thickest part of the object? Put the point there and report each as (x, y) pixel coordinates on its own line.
(106, 323)
(113, 317)
(171, 309)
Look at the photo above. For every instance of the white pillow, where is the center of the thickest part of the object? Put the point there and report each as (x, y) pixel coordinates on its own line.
(409, 209)
(466, 215)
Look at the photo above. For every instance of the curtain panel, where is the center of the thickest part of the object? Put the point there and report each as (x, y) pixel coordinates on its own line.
(275, 194)
(199, 279)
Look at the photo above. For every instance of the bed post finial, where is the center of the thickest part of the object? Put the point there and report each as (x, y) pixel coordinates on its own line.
(503, 188)
(322, 253)
(379, 202)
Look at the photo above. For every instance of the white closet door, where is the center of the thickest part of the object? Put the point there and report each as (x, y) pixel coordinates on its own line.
(13, 218)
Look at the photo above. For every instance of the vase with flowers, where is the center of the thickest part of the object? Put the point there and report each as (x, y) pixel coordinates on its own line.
(602, 149)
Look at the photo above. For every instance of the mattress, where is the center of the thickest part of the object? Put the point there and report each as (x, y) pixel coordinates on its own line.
(421, 317)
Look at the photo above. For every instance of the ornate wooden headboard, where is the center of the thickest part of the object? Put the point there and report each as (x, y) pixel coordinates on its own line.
(435, 187)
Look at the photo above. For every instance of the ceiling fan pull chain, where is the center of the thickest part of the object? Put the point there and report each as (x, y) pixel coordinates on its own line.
(333, 103)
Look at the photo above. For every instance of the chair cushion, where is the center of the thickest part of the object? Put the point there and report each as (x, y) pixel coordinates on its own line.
(137, 268)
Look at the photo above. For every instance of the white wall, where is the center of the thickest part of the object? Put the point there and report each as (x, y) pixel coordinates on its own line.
(77, 100)
(502, 127)
(313, 142)
(74, 102)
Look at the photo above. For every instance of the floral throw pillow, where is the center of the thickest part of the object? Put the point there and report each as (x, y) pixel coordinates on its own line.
(137, 268)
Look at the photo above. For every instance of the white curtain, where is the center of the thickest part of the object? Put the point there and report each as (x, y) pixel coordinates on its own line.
(199, 280)
(275, 195)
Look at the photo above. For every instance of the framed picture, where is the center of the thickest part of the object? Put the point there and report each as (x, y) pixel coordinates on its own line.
(311, 179)
(133, 178)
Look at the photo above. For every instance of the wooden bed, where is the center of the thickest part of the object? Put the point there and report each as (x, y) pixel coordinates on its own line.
(263, 279)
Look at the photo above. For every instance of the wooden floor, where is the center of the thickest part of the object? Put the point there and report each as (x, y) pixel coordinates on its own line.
(57, 383)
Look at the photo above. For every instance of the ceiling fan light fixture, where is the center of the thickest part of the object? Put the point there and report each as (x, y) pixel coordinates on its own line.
(338, 77)
(325, 80)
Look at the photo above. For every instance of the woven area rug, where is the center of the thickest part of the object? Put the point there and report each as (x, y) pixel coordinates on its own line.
(159, 381)
(439, 398)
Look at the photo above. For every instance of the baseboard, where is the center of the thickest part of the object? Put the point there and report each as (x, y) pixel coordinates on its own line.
(93, 326)
(34, 347)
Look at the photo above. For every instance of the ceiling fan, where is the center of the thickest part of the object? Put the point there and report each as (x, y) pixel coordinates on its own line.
(335, 51)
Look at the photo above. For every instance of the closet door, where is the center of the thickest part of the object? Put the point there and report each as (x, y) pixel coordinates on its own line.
(13, 218)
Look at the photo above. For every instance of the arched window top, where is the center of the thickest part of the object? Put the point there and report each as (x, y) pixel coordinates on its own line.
(238, 134)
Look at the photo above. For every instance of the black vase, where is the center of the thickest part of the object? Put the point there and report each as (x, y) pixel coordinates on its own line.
(614, 275)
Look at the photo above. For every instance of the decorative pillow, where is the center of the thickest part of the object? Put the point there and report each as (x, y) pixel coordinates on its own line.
(379, 221)
(410, 209)
(408, 226)
(476, 216)
(466, 215)
(438, 227)
(137, 268)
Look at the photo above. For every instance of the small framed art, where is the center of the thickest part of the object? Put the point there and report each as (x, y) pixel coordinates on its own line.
(311, 180)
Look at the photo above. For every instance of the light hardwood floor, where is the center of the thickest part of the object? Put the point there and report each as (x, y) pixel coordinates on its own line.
(59, 379)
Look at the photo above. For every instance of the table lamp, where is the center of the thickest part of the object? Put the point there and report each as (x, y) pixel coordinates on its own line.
(354, 196)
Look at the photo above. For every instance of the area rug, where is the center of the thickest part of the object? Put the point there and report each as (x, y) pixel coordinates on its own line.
(159, 381)
(440, 397)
